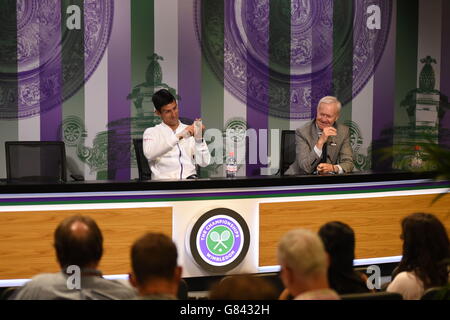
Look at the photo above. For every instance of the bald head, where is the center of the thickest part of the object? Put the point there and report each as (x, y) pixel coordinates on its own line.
(78, 241)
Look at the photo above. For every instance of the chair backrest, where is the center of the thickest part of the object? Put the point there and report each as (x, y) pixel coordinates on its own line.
(144, 169)
(183, 290)
(287, 156)
(35, 161)
(384, 295)
(437, 293)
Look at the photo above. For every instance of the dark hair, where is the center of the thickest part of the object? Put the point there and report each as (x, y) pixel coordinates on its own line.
(161, 98)
(243, 287)
(78, 249)
(339, 241)
(425, 249)
(153, 256)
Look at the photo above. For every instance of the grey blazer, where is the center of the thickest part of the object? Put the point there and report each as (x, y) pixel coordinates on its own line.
(306, 159)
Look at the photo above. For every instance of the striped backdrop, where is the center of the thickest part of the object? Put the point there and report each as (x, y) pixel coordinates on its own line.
(86, 77)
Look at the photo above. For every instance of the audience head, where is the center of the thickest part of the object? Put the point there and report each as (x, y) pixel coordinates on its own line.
(243, 287)
(154, 265)
(339, 241)
(303, 261)
(78, 241)
(425, 248)
(161, 98)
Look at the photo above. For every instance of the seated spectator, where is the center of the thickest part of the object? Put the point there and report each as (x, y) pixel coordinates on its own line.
(339, 241)
(243, 287)
(155, 273)
(79, 246)
(425, 256)
(304, 265)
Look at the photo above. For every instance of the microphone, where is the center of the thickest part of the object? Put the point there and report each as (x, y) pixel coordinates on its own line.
(332, 141)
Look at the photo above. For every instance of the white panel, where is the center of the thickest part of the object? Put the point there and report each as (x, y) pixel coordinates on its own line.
(166, 39)
(429, 42)
(362, 113)
(96, 107)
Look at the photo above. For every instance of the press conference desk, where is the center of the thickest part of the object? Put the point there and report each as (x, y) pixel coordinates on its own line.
(373, 204)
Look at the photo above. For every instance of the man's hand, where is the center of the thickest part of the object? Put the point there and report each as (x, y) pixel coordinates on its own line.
(327, 132)
(189, 131)
(324, 168)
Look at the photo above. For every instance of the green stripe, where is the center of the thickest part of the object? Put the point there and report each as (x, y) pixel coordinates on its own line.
(212, 89)
(225, 197)
(406, 55)
(212, 93)
(343, 12)
(9, 129)
(279, 62)
(142, 49)
(72, 56)
(405, 79)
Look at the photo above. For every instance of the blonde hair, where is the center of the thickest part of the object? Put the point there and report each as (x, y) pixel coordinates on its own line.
(303, 252)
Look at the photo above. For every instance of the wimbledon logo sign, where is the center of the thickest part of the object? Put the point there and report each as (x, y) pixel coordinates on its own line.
(219, 240)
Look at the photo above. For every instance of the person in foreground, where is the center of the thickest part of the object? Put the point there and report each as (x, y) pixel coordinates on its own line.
(339, 241)
(172, 148)
(78, 244)
(304, 265)
(322, 144)
(243, 287)
(425, 257)
(155, 273)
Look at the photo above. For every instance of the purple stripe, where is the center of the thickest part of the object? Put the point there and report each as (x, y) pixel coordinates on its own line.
(444, 124)
(322, 62)
(384, 92)
(50, 75)
(189, 63)
(257, 84)
(275, 193)
(119, 86)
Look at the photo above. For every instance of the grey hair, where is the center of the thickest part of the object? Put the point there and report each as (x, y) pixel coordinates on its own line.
(331, 99)
(303, 252)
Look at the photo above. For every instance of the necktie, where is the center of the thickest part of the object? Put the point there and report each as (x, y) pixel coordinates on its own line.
(324, 153)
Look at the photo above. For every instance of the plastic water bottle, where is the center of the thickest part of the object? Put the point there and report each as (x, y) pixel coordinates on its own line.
(198, 130)
(231, 166)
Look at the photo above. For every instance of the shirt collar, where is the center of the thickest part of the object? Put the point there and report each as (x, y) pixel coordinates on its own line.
(177, 130)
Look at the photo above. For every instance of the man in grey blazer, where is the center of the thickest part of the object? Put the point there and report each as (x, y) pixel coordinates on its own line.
(322, 144)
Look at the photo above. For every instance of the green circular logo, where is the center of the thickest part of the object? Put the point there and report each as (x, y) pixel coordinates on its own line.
(220, 240)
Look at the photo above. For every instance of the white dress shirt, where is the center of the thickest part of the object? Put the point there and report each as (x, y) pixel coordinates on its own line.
(170, 157)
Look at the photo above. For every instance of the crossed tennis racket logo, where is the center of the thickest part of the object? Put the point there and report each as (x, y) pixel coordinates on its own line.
(220, 238)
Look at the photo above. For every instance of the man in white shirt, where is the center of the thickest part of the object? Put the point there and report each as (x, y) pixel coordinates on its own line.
(170, 147)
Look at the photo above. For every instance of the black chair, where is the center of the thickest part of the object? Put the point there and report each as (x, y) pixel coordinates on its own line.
(274, 278)
(437, 293)
(144, 169)
(287, 156)
(384, 295)
(183, 290)
(8, 292)
(35, 161)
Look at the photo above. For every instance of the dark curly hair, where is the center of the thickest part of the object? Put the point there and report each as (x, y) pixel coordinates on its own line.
(426, 249)
(161, 98)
